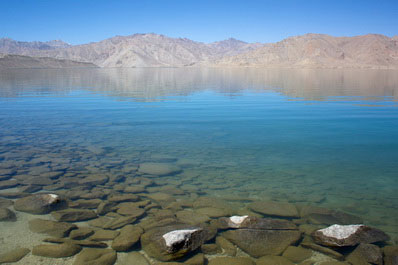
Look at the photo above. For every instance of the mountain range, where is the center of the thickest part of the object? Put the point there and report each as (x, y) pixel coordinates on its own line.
(154, 50)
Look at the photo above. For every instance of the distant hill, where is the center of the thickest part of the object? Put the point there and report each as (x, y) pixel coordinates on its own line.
(10, 46)
(153, 50)
(321, 51)
(21, 61)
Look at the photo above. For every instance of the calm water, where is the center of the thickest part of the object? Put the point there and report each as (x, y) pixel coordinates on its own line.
(324, 137)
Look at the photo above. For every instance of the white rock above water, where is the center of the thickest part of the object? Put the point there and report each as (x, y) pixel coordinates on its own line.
(348, 235)
(178, 236)
(236, 221)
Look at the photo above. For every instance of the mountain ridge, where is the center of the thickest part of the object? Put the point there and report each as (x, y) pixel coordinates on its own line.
(155, 50)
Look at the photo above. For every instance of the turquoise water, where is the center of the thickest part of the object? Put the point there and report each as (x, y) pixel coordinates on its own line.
(324, 137)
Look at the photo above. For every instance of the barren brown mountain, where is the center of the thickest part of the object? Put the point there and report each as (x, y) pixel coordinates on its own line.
(322, 51)
(21, 61)
(153, 50)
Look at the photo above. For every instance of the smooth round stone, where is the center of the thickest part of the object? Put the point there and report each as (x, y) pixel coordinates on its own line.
(92, 256)
(52, 228)
(94, 180)
(211, 249)
(6, 184)
(134, 189)
(56, 251)
(282, 209)
(129, 235)
(14, 255)
(81, 233)
(131, 211)
(6, 215)
(231, 261)
(73, 215)
(297, 254)
(104, 235)
(4, 203)
(258, 243)
(135, 256)
(273, 260)
(159, 169)
(191, 217)
(123, 198)
(226, 245)
(213, 212)
(39, 203)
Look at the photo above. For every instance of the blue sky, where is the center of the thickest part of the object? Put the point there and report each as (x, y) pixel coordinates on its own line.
(82, 21)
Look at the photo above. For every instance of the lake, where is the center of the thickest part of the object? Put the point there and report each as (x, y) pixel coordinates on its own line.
(223, 137)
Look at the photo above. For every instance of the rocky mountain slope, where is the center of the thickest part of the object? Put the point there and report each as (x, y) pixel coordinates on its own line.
(153, 50)
(144, 50)
(321, 51)
(21, 61)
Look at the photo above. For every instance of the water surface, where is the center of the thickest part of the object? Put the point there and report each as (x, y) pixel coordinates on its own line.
(322, 137)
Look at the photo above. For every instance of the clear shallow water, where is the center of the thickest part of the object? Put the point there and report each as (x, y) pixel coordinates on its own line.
(324, 137)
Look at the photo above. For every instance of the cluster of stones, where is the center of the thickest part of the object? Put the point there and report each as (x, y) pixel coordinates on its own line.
(156, 222)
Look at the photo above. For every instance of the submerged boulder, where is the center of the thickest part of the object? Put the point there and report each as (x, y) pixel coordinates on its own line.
(159, 169)
(270, 208)
(252, 222)
(258, 243)
(348, 235)
(172, 242)
(39, 203)
(14, 255)
(56, 251)
(74, 215)
(52, 228)
(92, 256)
(6, 215)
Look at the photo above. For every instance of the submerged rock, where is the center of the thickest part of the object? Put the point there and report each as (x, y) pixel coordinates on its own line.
(231, 261)
(135, 256)
(81, 233)
(390, 255)
(14, 255)
(273, 260)
(297, 254)
(112, 223)
(39, 203)
(92, 256)
(159, 169)
(255, 223)
(365, 254)
(74, 215)
(172, 242)
(104, 235)
(6, 184)
(4, 203)
(83, 243)
(129, 235)
(56, 251)
(227, 246)
(6, 215)
(270, 208)
(319, 215)
(52, 228)
(258, 243)
(348, 235)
